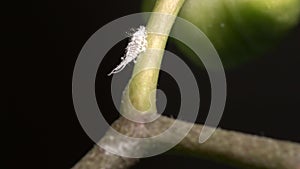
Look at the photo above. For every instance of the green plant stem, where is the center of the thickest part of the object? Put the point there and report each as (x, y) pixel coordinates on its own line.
(144, 82)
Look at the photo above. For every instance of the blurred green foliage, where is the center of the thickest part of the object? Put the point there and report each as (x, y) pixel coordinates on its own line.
(239, 29)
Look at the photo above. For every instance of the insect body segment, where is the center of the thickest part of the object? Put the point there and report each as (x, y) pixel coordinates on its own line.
(137, 45)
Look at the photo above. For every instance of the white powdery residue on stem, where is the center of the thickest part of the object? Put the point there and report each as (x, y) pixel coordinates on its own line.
(137, 45)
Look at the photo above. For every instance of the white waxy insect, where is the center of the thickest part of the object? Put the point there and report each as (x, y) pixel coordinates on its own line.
(137, 45)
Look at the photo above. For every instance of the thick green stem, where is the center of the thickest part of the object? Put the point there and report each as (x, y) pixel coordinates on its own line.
(145, 75)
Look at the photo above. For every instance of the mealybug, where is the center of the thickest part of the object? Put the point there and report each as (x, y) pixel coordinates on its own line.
(137, 45)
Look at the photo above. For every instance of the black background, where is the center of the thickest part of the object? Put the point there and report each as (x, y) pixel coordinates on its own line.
(263, 95)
